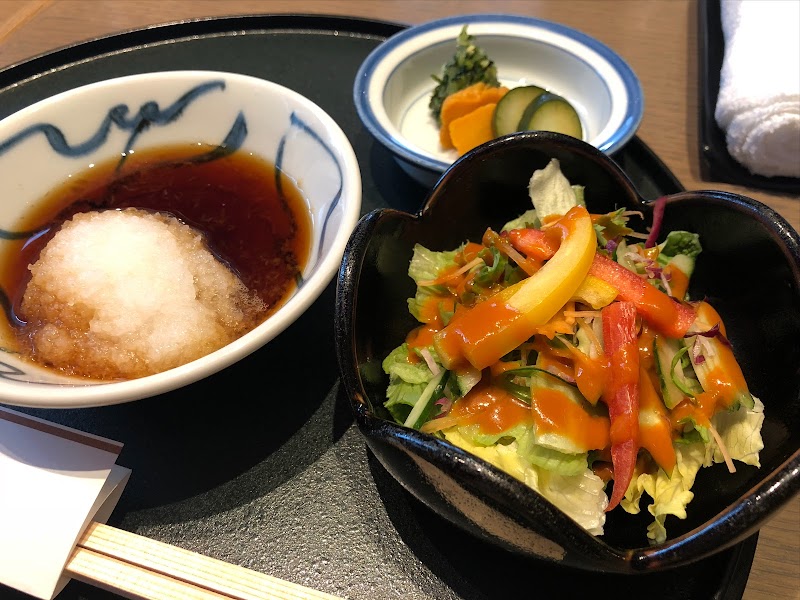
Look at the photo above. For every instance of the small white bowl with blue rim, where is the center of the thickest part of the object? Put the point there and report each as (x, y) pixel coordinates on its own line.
(394, 83)
(44, 144)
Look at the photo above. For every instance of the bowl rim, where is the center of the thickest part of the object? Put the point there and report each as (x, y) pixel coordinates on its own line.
(730, 525)
(398, 47)
(85, 393)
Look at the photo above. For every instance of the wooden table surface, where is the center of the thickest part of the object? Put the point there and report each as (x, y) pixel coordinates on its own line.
(658, 38)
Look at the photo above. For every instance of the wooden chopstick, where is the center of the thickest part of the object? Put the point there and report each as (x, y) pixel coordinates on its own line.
(144, 569)
(130, 580)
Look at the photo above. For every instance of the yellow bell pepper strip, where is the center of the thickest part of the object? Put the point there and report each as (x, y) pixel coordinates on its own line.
(622, 392)
(487, 331)
(665, 314)
(595, 292)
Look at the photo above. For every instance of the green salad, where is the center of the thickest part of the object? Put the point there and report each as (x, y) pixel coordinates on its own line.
(565, 350)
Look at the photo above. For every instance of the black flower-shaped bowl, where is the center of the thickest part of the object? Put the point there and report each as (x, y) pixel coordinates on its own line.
(749, 269)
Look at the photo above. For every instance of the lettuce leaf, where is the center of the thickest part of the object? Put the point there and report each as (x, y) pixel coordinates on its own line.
(670, 493)
(741, 433)
(551, 192)
(407, 381)
(581, 496)
(611, 226)
(528, 219)
(426, 265)
(550, 459)
(397, 365)
(680, 242)
(475, 436)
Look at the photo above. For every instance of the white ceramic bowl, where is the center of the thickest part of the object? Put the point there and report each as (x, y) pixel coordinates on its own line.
(44, 144)
(394, 83)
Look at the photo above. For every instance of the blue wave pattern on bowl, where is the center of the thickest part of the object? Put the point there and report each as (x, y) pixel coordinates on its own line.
(150, 114)
(421, 161)
(298, 123)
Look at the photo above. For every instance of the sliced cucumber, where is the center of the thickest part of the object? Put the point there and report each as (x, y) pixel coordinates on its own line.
(550, 112)
(681, 261)
(543, 381)
(675, 384)
(719, 363)
(510, 108)
(523, 392)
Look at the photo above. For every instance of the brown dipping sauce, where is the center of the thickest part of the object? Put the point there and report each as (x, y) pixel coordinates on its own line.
(261, 233)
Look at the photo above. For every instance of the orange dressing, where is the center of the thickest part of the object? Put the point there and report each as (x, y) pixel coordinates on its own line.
(591, 375)
(726, 380)
(553, 412)
(655, 429)
(501, 366)
(700, 408)
(652, 252)
(624, 428)
(539, 345)
(537, 245)
(478, 332)
(557, 365)
(678, 281)
(667, 313)
(471, 251)
(722, 393)
(447, 276)
(429, 311)
(492, 408)
(421, 337)
(647, 340)
(458, 285)
(724, 383)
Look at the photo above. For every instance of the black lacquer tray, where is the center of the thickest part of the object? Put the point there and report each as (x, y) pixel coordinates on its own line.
(261, 465)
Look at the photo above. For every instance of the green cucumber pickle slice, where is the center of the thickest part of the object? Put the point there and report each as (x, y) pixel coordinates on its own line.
(550, 112)
(510, 108)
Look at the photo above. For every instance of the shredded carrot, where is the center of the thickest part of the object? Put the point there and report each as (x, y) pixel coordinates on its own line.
(439, 424)
(451, 276)
(596, 347)
(555, 326)
(585, 314)
(722, 449)
(502, 243)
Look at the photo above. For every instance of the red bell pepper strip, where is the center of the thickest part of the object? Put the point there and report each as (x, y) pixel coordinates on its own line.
(622, 392)
(663, 313)
(540, 244)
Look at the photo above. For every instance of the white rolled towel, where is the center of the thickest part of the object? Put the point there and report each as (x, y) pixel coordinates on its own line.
(758, 106)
